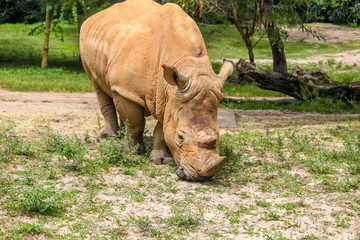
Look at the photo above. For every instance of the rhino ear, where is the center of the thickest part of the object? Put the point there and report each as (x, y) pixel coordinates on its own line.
(173, 77)
(226, 70)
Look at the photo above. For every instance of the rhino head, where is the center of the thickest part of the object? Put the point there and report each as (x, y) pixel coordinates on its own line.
(190, 121)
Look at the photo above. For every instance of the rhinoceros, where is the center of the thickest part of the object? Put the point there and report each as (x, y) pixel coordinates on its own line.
(146, 59)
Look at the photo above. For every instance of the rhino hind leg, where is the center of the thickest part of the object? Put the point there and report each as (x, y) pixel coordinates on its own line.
(108, 110)
(160, 153)
(132, 115)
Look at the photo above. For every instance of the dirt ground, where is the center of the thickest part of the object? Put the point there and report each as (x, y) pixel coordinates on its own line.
(79, 112)
(328, 33)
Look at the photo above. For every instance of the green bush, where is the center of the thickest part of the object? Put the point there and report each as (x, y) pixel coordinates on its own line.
(338, 11)
(36, 198)
(118, 150)
(184, 221)
(13, 145)
(72, 148)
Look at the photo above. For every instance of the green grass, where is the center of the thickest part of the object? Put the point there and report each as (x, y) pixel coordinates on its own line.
(224, 41)
(33, 78)
(20, 59)
(248, 90)
(317, 105)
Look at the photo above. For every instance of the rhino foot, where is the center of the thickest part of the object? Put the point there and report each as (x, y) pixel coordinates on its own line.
(108, 133)
(141, 149)
(160, 157)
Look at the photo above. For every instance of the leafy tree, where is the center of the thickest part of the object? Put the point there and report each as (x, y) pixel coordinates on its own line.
(194, 8)
(249, 16)
(66, 10)
(275, 14)
(76, 11)
(50, 6)
(245, 15)
(20, 11)
(274, 35)
(334, 11)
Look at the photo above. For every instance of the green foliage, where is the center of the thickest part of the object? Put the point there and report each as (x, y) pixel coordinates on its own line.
(33, 229)
(118, 150)
(73, 11)
(55, 29)
(336, 11)
(71, 148)
(248, 90)
(36, 198)
(143, 222)
(184, 221)
(12, 145)
(323, 105)
(272, 216)
(20, 11)
(31, 11)
(263, 204)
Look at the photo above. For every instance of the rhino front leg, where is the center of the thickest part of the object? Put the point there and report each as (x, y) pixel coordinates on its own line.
(132, 115)
(108, 110)
(160, 153)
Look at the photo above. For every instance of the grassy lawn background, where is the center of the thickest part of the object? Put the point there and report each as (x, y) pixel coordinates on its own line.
(20, 58)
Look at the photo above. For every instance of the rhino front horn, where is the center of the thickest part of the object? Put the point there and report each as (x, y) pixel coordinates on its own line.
(210, 167)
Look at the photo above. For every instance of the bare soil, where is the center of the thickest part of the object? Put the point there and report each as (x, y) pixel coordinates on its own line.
(79, 112)
(327, 33)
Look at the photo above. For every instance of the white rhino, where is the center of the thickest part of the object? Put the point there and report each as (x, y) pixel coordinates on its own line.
(146, 59)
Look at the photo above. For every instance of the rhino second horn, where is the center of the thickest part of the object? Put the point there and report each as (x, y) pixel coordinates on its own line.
(206, 139)
(207, 142)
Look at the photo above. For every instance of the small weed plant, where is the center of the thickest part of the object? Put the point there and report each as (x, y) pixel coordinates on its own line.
(37, 198)
(118, 150)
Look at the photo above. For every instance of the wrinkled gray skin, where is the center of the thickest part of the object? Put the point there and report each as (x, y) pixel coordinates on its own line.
(147, 59)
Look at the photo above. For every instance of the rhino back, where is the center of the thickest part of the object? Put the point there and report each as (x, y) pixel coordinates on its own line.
(124, 47)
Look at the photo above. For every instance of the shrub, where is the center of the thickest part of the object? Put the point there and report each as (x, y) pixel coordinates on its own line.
(36, 199)
(117, 150)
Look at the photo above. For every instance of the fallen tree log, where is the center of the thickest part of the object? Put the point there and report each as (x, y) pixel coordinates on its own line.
(295, 87)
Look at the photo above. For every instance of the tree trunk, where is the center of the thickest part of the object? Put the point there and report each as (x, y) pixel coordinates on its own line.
(293, 86)
(49, 15)
(80, 13)
(250, 50)
(198, 9)
(246, 37)
(276, 43)
(277, 49)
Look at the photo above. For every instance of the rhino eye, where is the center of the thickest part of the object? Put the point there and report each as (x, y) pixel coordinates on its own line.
(180, 137)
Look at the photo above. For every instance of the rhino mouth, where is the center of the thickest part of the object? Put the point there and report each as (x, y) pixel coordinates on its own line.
(182, 173)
